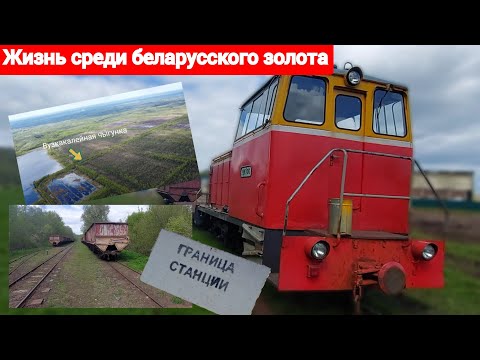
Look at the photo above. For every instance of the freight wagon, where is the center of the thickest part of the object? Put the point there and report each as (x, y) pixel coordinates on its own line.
(185, 192)
(57, 240)
(107, 239)
(318, 185)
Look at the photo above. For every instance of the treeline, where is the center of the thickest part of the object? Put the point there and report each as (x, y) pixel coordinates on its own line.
(8, 167)
(144, 227)
(31, 226)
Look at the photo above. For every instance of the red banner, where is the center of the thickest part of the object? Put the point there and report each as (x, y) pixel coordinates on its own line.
(166, 59)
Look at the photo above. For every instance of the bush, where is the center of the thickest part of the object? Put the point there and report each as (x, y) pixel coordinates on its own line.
(144, 227)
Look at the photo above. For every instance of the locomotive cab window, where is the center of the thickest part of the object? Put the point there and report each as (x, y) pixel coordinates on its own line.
(348, 112)
(242, 124)
(306, 100)
(388, 113)
(257, 112)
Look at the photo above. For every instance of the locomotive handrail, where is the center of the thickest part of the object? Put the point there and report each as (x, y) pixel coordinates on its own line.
(446, 213)
(345, 155)
(342, 182)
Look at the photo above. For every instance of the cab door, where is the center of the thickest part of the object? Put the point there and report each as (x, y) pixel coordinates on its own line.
(348, 127)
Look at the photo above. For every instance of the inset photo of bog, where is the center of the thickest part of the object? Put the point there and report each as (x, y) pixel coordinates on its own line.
(88, 256)
(131, 147)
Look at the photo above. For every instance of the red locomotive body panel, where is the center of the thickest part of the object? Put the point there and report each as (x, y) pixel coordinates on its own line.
(337, 271)
(260, 198)
(248, 194)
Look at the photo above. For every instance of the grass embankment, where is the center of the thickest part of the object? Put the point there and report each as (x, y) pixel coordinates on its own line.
(147, 197)
(133, 260)
(16, 254)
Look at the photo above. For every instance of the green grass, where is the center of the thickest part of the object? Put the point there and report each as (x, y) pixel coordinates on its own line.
(461, 294)
(207, 238)
(133, 260)
(466, 251)
(177, 300)
(15, 254)
(147, 197)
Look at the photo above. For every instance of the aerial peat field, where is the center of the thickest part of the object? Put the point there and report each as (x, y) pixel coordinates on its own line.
(152, 147)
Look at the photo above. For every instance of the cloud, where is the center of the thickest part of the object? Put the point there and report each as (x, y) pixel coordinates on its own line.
(20, 94)
(72, 214)
(444, 88)
(213, 104)
(119, 213)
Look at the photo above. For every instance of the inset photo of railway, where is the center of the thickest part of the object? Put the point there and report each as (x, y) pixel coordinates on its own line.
(124, 146)
(90, 256)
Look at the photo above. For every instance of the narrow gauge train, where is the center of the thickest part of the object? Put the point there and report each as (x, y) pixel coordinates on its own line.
(318, 185)
(57, 240)
(106, 239)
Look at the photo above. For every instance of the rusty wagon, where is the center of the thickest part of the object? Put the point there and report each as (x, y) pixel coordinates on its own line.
(107, 239)
(57, 240)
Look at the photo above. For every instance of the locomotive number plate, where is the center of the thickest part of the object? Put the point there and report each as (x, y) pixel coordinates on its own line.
(246, 171)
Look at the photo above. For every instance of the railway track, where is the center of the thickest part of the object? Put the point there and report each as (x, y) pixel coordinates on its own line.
(22, 288)
(23, 262)
(113, 265)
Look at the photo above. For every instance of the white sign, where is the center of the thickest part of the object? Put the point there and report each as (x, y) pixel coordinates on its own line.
(246, 171)
(213, 279)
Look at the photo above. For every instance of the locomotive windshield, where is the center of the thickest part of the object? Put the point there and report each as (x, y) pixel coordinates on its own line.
(388, 113)
(348, 110)
(306, 100)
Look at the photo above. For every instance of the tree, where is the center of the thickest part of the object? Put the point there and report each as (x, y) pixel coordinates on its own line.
(94, 213)
(31, 226)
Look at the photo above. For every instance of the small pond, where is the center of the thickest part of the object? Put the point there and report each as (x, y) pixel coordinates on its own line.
(71, 188)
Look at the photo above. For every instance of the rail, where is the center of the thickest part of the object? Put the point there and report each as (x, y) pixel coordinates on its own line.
(21, 257)
(342, 182)
(36, 267)
(27, 296)
(10, 272)
(133, 283)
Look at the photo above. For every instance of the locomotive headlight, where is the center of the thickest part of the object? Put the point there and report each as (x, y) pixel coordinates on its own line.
(354, 76)
(429, 252)
(424, 250)
(320, 250)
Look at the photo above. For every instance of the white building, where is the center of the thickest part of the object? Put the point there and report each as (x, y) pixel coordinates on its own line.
(450, 185)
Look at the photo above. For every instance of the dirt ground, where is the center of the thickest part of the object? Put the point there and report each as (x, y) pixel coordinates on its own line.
(462, 226)
(84, 281)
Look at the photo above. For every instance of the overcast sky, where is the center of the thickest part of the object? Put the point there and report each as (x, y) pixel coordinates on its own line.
(101, 100)
(72, 214)
(444, 83)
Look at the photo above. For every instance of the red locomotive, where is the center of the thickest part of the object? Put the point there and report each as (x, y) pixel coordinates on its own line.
(318, 185)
